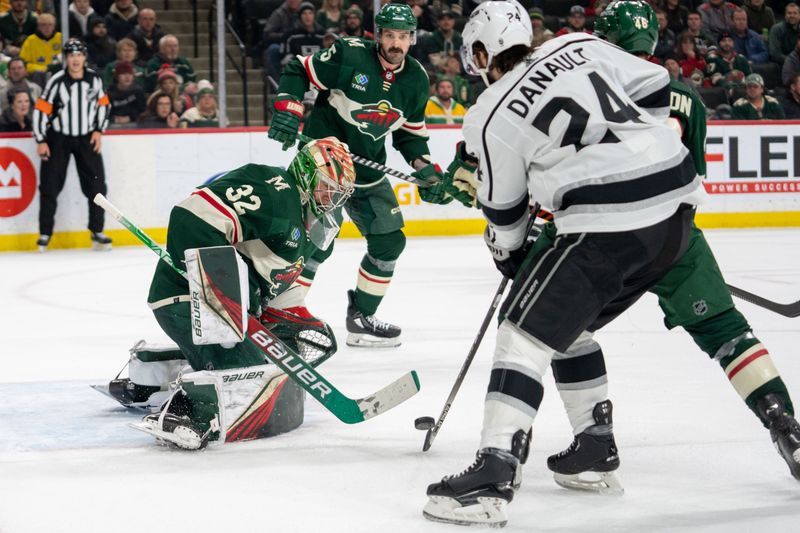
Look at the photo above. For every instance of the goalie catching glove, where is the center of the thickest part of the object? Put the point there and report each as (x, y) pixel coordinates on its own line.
(307, 335)
(285, 121)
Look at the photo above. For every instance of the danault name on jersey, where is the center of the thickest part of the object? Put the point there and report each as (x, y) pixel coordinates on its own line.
(580, 128)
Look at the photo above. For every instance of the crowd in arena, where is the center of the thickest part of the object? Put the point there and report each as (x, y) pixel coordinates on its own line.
(148, 82)
(742, 57)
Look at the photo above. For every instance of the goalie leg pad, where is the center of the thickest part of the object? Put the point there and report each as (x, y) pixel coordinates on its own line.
(237, 404)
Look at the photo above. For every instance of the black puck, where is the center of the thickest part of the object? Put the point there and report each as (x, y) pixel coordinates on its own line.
(424, 423)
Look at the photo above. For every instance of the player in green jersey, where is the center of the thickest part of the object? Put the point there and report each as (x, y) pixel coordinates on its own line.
(367, 90)
(692, 295)
(276, 220)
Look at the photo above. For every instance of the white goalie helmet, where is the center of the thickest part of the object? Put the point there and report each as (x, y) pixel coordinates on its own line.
(498, 26)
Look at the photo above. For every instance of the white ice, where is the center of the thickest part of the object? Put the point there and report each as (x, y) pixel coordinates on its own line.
(693, 457)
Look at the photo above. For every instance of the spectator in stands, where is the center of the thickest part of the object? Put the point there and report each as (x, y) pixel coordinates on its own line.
(328, 39)
(306, 39)
(677, 16)
(791, 65)
(368, 14)
(125, 51)
(692, 63)
(717, 17)
(121, 18)
(17, 115)
(791, 100)
(462, 91)
(576, 21)
(442, 108)
(442, 43)
(540, 32)
(756, 105)
(169, 54)
(666, 39)
(726, 68)
(282, 20)
(17, 24)
(783, 35)
(205, 113)
(147, 34)
(18, 80)
(760, 17)
(702, 39)
(160, 112)
(747, 42)
(426, 18)
(102, 47)
(674, 69)
(101, 7)
(354, 24)
(42, 49)
(167, 83)
(80, 11)
(331, 15)
(127, 98)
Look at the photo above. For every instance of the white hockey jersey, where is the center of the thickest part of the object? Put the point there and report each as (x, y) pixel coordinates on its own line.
(580, 127)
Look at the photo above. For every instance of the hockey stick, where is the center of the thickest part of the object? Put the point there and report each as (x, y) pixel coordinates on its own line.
(424, 423)
(791, 310)
(433, 431)
(349, 411)
(363, 161)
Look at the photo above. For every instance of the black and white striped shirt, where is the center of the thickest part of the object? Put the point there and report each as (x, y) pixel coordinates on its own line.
(71, 107)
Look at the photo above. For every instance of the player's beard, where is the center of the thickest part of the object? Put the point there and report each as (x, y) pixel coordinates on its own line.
(394, 56)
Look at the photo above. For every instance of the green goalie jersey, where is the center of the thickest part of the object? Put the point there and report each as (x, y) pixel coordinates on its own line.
(360, 103)
(687, 108)
(255, 208)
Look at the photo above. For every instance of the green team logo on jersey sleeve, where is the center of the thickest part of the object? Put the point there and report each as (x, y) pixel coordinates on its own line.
(376, 120)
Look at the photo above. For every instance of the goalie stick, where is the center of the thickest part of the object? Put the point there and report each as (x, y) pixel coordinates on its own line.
(363, 161)
(791, 310)
(349, 411)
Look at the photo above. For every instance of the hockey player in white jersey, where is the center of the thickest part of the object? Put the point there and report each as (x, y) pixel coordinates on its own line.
(578, 126)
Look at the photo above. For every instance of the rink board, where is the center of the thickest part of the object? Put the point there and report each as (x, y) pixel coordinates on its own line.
(753, 180)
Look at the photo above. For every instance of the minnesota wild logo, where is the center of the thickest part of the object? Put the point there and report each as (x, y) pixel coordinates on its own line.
(281, 279)
(376, 120)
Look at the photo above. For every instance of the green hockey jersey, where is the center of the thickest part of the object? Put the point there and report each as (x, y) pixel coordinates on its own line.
(718, 67)
(360, 103)
(687, 108)
(255, 208)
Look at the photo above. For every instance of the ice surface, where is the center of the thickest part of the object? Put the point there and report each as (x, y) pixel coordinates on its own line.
(693, 457)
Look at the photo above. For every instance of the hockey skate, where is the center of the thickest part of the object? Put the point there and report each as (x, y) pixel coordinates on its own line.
(593, 450)
(128, 393)
(368, 331)
(477, 496)
(784, 430)
(173, 427)
(42, 242)
(101, 242)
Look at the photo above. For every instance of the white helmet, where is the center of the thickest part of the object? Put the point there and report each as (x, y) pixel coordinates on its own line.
(498, 26)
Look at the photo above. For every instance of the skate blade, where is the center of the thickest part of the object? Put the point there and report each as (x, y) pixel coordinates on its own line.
(606, 482)
(488, 512)
(363, 340)
(97, 247)
(155, 401)
(42, 249)
(183, 438)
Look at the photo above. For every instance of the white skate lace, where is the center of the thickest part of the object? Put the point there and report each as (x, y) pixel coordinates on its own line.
(377, 323)
(468, 470)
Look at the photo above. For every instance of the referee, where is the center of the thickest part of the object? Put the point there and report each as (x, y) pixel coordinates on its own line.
(69, 119)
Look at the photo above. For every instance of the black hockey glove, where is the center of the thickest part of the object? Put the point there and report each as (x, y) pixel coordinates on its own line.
(508, 262)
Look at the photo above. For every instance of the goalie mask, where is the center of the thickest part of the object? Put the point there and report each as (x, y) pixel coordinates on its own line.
(326, 178)
(498, 26)
(631, 25)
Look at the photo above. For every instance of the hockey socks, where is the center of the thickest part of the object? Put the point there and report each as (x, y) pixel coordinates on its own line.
(373, 281)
